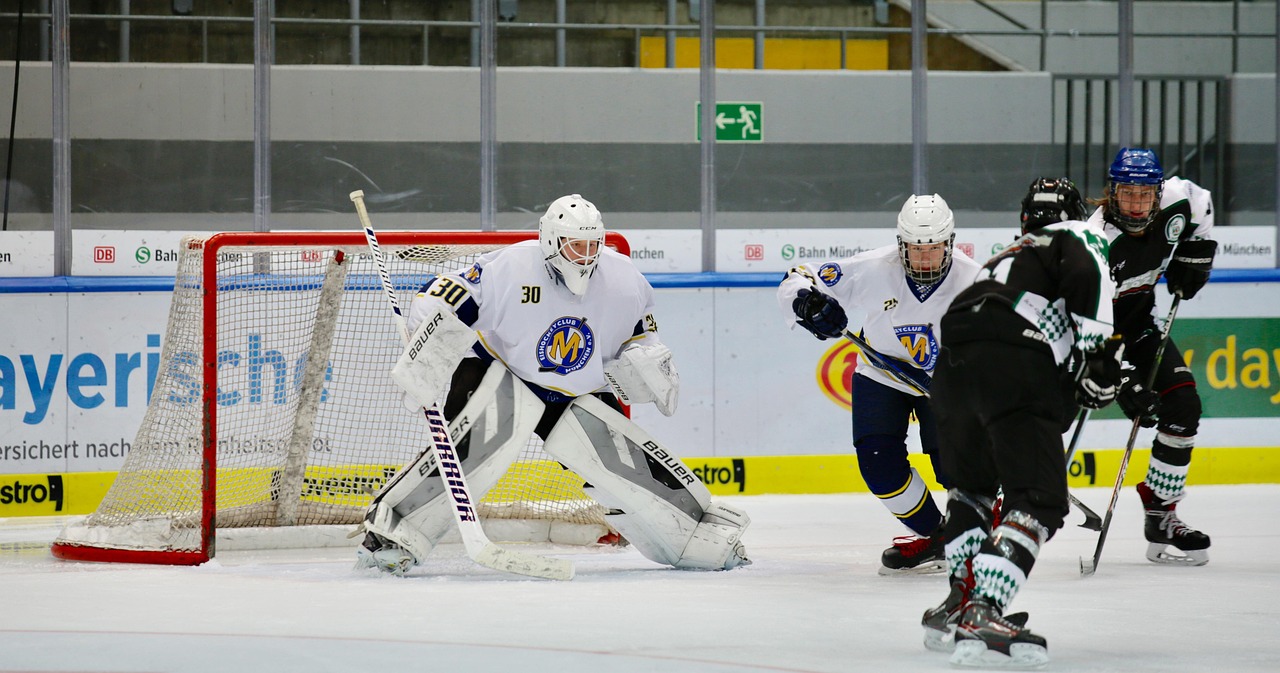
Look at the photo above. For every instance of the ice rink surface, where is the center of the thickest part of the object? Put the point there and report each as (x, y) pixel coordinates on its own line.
(812, 601)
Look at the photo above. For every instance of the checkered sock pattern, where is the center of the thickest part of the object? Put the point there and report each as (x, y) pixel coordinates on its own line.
(1001, 568)
(1167, 481)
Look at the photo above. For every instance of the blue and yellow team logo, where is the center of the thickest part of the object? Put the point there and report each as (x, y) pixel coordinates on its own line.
(472, 275)
(566, 346)
(920, 344)
(830, 273)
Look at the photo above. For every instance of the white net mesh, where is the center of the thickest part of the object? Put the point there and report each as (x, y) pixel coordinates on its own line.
(309, 424)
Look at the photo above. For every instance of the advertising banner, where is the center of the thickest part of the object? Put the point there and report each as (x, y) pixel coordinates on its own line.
(126, 253)
(26, 254)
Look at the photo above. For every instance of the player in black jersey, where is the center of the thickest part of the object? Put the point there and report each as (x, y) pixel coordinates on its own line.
(1036, 307)
(1158, 226)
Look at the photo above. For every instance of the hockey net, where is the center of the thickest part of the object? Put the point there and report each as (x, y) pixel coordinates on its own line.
(273, 419)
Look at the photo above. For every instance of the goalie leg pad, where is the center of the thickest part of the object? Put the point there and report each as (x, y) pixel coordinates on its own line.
(413, 510)
(654, 501)
(434, 351)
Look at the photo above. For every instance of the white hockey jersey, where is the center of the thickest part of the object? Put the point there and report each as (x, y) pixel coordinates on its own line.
(533, 324)
(902, 318)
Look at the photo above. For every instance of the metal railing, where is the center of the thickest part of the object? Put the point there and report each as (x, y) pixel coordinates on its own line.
(1184, 119)
(759, 31)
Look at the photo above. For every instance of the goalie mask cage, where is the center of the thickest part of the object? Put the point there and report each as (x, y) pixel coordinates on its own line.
(274, 410)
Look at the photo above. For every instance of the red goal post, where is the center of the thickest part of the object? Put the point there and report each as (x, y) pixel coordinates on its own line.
(273, 419)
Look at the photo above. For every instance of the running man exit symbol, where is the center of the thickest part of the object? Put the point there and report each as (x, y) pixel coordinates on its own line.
(735, 122)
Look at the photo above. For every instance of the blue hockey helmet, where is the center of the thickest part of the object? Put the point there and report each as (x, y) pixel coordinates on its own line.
(1140, 167)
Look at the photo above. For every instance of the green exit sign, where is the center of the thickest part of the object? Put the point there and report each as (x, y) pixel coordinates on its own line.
(735, 122)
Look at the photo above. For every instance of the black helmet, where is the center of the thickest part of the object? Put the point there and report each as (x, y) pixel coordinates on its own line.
(1050, 200)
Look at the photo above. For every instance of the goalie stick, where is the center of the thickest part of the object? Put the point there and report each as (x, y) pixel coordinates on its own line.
(1090, 566)
(481, 550)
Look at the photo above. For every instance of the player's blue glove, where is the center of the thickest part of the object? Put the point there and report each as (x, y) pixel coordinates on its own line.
(820, 314)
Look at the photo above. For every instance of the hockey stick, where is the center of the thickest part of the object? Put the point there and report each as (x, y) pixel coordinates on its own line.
(882, 362)
(478, 546)
(1087, 566)
(1091, 519)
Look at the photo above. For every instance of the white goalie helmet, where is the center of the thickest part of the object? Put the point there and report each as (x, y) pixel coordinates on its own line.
(926, 234)
(571, 235)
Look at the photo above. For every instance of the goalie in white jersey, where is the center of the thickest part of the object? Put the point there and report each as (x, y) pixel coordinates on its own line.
(539, 337)
(904, 289)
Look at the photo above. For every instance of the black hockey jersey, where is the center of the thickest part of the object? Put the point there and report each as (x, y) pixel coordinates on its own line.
(1050, 289)
(1186, 213)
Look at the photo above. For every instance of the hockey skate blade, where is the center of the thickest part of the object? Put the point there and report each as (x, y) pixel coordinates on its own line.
(497, 558)
(940, 641)
(936, 640)
(926, 568)
(1156, 553)
(1021, 656)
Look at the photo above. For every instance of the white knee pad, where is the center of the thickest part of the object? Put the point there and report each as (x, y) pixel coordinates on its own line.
(413, 510)
(657, 503)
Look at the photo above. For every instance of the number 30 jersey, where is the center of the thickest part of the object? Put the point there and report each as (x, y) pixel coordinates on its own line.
(546, 335)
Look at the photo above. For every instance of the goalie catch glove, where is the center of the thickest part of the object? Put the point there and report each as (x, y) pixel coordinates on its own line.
(820, 314)
(645, 373)
(1135, 400)
(1189, 269)
(1100, 378)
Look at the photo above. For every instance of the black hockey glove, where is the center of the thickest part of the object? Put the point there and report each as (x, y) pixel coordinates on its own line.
(1189, 269)
(820, 314)
(1135, 400)
(1100, 379)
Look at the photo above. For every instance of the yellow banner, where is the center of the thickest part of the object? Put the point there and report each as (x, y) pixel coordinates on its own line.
(80, 492)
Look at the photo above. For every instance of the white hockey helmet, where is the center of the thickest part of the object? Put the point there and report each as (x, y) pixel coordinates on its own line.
(571, 235)
(926, 223)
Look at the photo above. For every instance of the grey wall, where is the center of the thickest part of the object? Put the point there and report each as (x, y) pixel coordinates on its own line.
(170, 146)
(1168, 55)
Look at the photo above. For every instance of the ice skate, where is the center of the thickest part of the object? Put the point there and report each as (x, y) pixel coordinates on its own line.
(984, 639)
(915, 555)
(1164, 529)
(940, 622)
(377, 552)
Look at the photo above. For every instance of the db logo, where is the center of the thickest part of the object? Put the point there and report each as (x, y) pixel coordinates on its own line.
(966, 248)
(104, 254)
(754, 252)
(835, 373)
(310, 255)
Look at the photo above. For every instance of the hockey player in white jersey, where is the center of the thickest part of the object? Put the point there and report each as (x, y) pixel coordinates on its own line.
(539, 337)
(903, 289)
(1158, 226)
